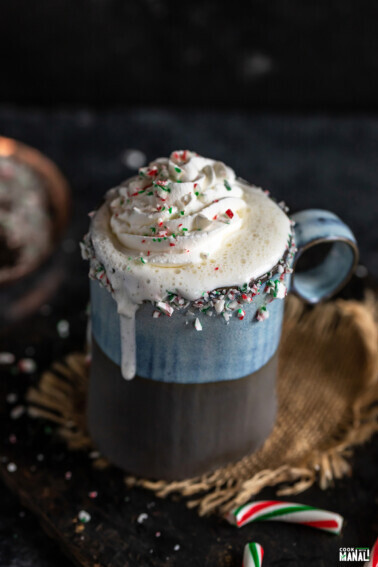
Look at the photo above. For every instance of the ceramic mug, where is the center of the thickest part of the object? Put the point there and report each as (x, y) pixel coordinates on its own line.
(201, 399)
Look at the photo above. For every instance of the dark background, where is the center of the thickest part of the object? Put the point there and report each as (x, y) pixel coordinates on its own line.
(285, 91)
(276, 54)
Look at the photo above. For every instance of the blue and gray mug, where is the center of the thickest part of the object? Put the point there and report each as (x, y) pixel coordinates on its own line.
(201, 400)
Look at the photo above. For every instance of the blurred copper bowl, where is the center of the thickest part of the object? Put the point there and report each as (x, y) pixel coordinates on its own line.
(59, 202)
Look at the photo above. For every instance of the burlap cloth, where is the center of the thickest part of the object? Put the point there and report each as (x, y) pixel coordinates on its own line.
(328, 404)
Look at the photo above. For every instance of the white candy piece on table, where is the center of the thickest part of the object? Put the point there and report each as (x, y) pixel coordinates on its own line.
(84, 517)
(276, 510)
(253, 555)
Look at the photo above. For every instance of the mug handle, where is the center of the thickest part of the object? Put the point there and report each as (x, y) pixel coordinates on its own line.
(313, 227)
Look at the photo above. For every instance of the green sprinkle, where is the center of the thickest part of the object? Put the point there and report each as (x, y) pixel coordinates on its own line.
(159, 239)
(164, 238)
(196, 193)
(158, 186)
(184, 229)
(170, 210)
(227, 185)
(173, 234)
(163, 209)
(150, 193)
(141, 173)
(142, 260)
(177, 169)
(154, 240)
(142, 191)
(153, 229)
(182, 213)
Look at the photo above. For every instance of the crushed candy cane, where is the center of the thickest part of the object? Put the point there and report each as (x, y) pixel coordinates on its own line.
(197, 325)
(142, 517)
(262, 314)
(96, 270)
(7, 358)
(63, 328)
(84, 517)
(27, 365)
(276, 288)
(165, 308)
(17, 412)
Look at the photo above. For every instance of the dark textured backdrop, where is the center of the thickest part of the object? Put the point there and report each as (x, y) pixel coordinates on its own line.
(272, 54)
(316, 161)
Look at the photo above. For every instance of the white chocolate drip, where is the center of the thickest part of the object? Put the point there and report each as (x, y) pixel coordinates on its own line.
(128, 364)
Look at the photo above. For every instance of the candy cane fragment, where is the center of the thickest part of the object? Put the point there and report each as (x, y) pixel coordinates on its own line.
(373, 562)
(276, 510)
(253, 555)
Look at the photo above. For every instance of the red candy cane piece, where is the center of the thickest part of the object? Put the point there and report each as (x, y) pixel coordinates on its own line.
(276, 510)
(373, 561)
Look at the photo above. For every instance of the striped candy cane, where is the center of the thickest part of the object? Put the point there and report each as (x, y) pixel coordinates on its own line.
(373, 556)
(286, 512)
(253, 555)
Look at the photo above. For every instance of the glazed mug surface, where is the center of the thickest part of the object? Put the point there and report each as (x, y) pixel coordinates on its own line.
(202, 399)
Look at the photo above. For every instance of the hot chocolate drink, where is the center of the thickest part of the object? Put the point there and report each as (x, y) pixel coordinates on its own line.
(186, 260)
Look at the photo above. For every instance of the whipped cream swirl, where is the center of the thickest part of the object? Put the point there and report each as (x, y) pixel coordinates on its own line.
(178, 210)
